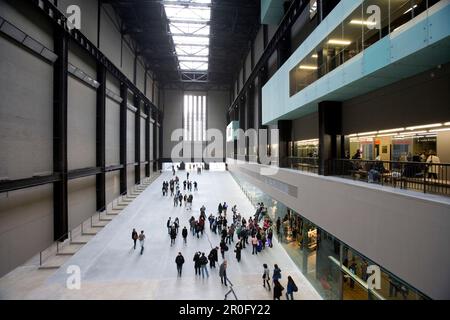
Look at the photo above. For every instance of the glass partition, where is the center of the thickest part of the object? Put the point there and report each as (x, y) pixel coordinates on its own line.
(365, 26)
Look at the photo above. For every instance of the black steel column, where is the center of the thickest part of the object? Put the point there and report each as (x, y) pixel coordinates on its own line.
(285, 136)
(262, 79)
(330, 127)
(160, 139)
(284, 49)
(155, 140)
(123, 138)
(60, 194)
(101, 137)
(137, 140)
(250, 117)
(147, 140)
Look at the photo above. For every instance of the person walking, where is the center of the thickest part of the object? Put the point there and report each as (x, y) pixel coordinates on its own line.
(197, 263)
(134, 236)
(179, 260)
(223, 248)
(254, 244)
(168, 225)
(291, 288)
(184, 233)
(223, 272)
(177, 224)
(277, 290)
(203, 265)
(213, 257)
(238, 251)
(266, 276)
(141, 241)
(173, 235)
(276, 273)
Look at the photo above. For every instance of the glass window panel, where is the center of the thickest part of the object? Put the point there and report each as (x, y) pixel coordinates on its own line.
(194, 28)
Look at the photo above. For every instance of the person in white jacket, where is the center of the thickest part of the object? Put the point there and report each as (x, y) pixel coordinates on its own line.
(433, 168)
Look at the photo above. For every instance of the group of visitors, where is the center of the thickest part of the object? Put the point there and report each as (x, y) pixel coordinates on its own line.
(135, 237)
(411, 166)
(174, 186)
(255, 232)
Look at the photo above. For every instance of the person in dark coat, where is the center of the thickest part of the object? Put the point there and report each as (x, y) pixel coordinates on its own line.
(220, 208)
(223, 248)
(197, 263)
(179, 260)
(213, 257)
(134, 236)
(184, 233)
(238, 251)
(277, 290)
(173, 236)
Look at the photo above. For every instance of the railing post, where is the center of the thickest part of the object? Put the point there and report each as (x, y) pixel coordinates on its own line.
(40, 258)
(425, 181)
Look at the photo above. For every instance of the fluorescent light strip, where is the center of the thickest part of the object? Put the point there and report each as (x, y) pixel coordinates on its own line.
(391, 130)
(440, 130)
(304, 67)
(367, 133)
(388, 135)
(339, 42)
(361, 22)
(410, 9)
(425, 126)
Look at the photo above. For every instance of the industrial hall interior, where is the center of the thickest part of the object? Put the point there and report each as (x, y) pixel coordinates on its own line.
(224, 149)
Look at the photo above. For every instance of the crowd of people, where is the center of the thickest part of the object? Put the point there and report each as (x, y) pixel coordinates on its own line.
(254, 234)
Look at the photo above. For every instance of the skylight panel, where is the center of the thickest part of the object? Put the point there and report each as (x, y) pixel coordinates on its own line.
(189, 26)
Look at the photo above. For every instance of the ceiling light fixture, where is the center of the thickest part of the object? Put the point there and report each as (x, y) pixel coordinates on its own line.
(305, 67)
(425, 126)
(410, 9)
(339, 42)
(391, 130)
(361, 22)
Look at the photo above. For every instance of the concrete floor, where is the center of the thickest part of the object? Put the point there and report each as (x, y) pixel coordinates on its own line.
(111, 269)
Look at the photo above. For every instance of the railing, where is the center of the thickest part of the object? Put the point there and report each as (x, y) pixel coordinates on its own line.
(424, 177)
(304, 164)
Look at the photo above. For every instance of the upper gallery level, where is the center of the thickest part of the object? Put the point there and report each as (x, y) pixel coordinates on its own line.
(360, 46)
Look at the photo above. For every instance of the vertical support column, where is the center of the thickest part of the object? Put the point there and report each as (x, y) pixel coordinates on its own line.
(285, 135)
(242, 124)
(101, 137)
(60, 193)
(284, 49)
(160, 140)
(147, 141)
(123, 138)
(137, 140)
(155, 140)
(262, 79)
(330, 126)
(250, 117)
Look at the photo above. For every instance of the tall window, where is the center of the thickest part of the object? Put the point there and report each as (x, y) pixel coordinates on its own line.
(194, 118)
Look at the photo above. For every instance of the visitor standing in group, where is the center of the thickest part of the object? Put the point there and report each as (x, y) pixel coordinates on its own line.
(223, 272)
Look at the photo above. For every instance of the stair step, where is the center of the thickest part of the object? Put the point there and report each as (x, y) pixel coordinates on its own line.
(79, 242)
(65, 253)
(49, 267)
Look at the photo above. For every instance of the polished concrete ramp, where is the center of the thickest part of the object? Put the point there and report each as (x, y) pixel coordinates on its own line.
(111, 269)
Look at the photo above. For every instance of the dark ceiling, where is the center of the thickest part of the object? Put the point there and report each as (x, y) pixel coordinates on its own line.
(234, 23)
